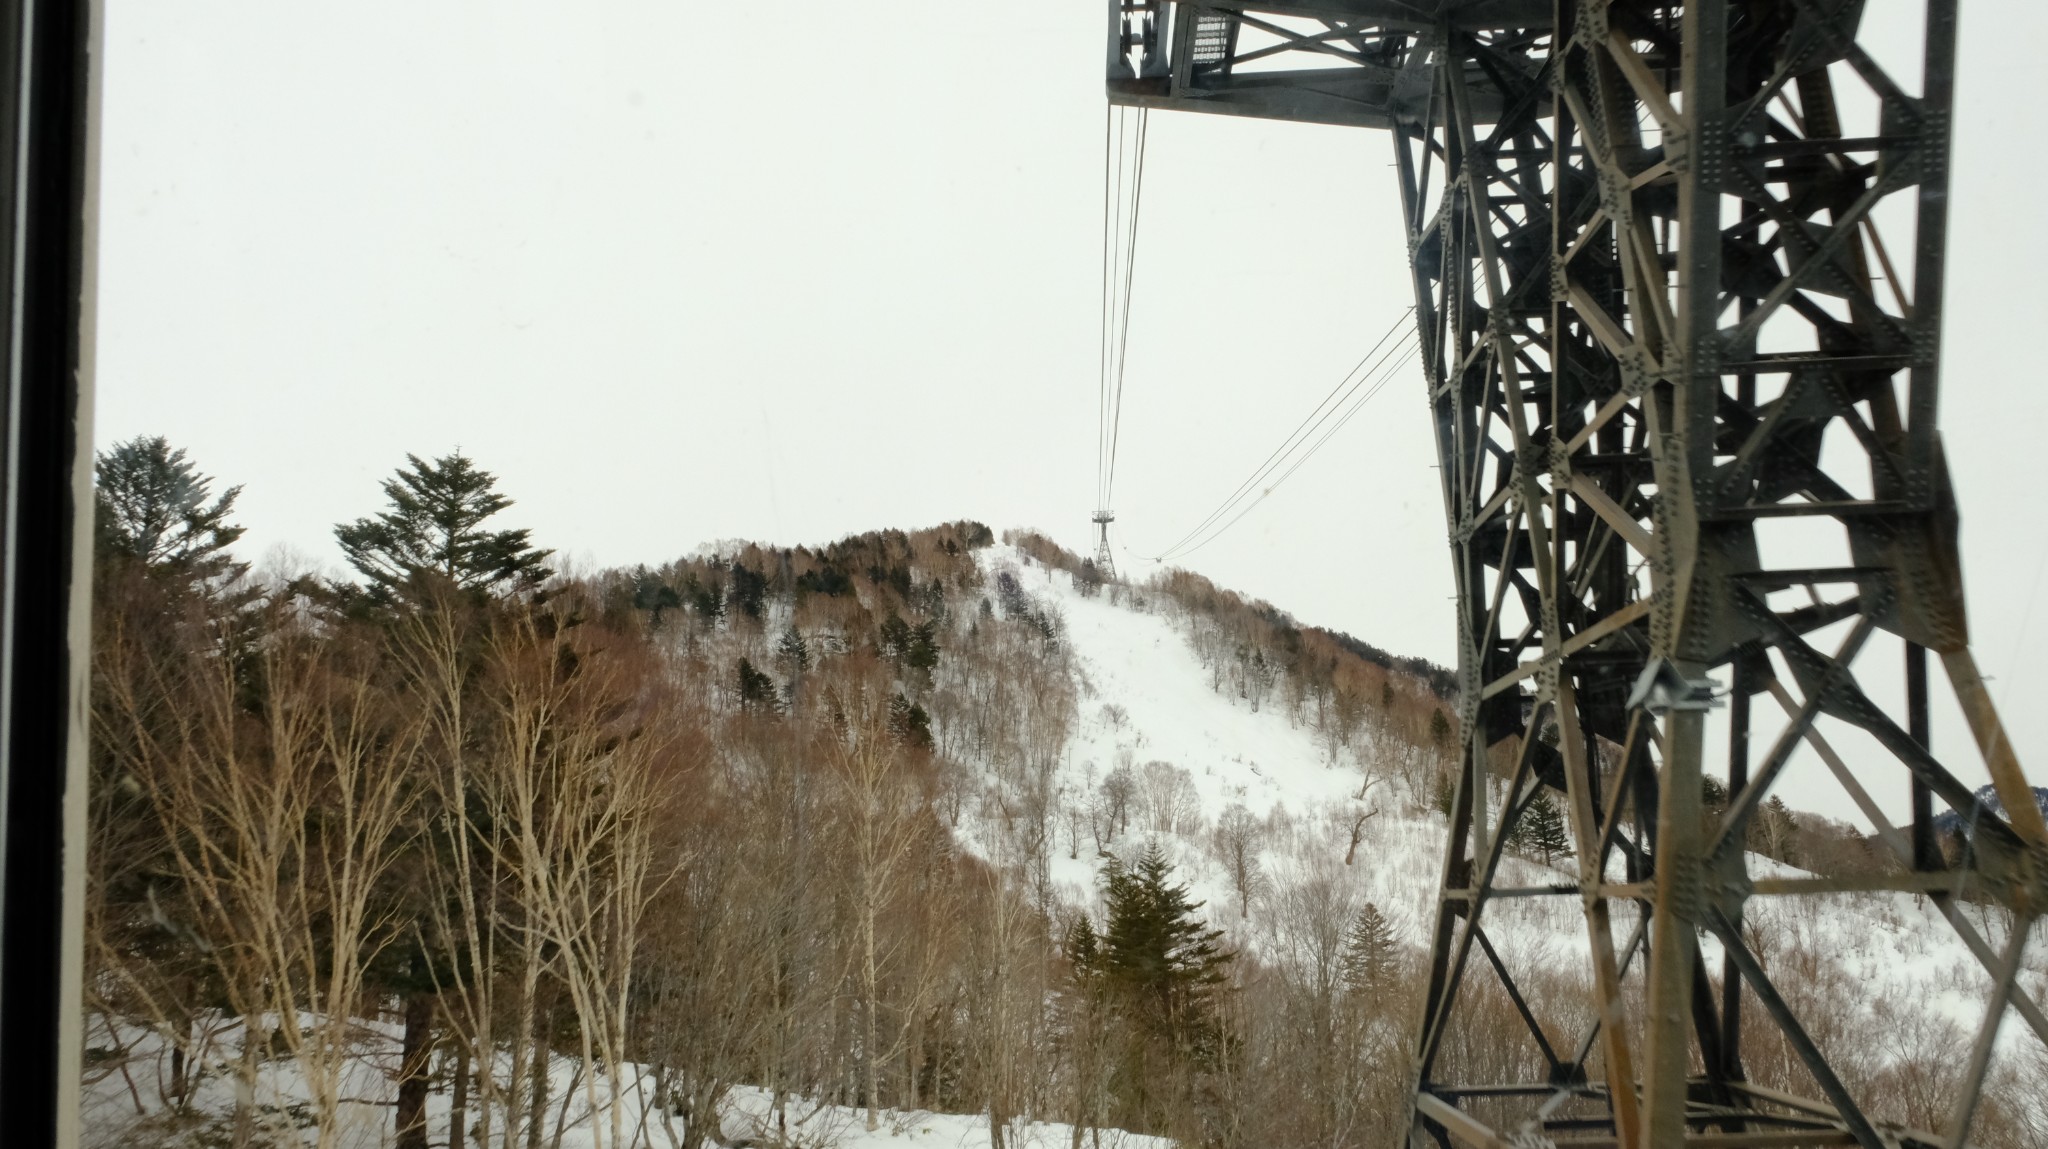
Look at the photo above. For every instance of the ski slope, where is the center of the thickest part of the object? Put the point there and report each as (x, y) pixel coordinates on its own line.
(1145, 697)
(1865, 953)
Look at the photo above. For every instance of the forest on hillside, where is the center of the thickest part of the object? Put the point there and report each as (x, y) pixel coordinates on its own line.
(705, 817)
(780, 818)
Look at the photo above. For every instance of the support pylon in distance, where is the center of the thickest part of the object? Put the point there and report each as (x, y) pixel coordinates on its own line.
(1105, 563)
(1651, 284)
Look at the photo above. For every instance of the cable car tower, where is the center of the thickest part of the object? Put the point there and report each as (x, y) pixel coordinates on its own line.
(1685, 399)
(1105, 562)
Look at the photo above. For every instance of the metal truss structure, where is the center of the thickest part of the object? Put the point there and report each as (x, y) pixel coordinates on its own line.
(1685, 400)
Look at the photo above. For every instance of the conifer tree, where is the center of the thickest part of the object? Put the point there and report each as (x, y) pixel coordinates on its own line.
(1156, 948)
(1083, 948)
(653, 596)
(1542, 828)
(913, 647)
(749, 589)
(892, 638)
(707, 598)
(922, 652)
(756, 690)
(150, 507)
(1368, 961)
(910, 723)
(1713, 794)
(434, 531)
(792, 653)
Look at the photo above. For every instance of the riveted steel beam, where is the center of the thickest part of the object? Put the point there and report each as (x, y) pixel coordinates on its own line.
(1647, 248)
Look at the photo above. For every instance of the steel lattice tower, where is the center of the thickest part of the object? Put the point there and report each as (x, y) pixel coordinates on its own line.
(1105, 561)
(1685, 403)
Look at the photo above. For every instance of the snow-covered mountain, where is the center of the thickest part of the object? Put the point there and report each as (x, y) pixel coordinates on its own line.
(1866, 960)
(1987, 800)
(1285, 806)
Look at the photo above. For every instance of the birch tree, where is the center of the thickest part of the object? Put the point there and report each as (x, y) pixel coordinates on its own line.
(883, 812)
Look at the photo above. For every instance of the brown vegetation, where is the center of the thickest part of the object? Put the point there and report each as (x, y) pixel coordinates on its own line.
(711, 820)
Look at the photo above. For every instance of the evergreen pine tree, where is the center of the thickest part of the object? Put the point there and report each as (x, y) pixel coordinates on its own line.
(792, 652)
(749, 589)
(922, 649)
(653, 596)
(1439, 730)
(706, 598)
(910, 723)
(150, 507)
(1083, 948)
(1157, 949)
(1368, 961)
(892, 638)
(1088, 580)
(434, 531)
(757, 690)
(1713, 794)
(1542, 828)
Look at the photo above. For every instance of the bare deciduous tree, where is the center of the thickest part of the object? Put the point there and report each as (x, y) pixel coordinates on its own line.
(883, 814)
(1169, 799)
(282, 821)
(1236, 842)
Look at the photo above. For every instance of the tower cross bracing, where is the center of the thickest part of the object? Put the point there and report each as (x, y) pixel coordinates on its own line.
(1678, 274)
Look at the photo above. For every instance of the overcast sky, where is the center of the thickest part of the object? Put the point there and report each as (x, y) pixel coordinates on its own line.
(680, 272)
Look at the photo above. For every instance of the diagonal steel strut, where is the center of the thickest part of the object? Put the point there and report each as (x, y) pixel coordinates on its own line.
(1645, 241)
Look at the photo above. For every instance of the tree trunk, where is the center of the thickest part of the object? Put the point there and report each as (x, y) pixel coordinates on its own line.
(913, 1055)
(458, 1109)
(414, 1066)
(183, 993)
(538, 1115)
(870, 975)
(245, 1086)
(178, 1074)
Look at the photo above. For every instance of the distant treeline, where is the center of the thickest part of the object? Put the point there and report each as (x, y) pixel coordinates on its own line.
(1327, 674)
(709, 818)
(778, 816)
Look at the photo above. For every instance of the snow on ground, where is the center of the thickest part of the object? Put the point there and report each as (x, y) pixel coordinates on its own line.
(1139, 665)
(1144, 693)
(127, 1109)
(748, 1117)
(1144, 697)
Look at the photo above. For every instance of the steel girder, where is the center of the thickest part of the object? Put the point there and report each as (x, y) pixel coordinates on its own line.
(1685, 402)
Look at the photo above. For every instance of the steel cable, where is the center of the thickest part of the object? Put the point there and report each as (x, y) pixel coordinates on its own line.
(1124, 320)
(1366, 370)
(1186, 547)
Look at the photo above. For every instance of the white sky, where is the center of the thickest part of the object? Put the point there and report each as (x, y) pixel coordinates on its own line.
(680, 272)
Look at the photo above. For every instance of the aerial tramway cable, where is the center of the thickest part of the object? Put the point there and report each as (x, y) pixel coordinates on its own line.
(1124, 316)
(1109, 114)
(1123, 185)
(1305, 427)
(1369, 375)
(1394, 369)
